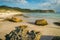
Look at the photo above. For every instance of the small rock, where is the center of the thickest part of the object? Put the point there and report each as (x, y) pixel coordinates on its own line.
(23, 26)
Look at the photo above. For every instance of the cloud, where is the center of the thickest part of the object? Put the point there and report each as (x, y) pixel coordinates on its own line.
(44, 4)
(24, 1)
(21, 1)
(49, 4)
(16, 1)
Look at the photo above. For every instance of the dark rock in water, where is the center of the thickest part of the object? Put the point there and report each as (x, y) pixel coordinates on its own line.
(41, 22)
(57, 23)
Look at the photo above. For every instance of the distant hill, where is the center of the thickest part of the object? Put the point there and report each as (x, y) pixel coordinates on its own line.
(6, 8)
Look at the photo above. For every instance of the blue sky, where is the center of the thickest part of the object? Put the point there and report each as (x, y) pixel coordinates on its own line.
(33, 4)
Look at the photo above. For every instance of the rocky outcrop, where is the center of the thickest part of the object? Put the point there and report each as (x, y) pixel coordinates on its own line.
(22, 33)
(41, 22)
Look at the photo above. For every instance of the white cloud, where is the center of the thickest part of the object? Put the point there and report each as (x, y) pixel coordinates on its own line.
(16, 1)
(22, 1)
(45, 4)
(49, 4)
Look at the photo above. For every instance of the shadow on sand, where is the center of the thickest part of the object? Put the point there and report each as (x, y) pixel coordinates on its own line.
(0, 39)
(31, 23)
(57, 23)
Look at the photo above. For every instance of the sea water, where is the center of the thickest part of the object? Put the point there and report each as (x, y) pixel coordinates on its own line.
(44, 15)
(34, 16)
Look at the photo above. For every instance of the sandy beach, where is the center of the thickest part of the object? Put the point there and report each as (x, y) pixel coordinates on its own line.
(48, 31)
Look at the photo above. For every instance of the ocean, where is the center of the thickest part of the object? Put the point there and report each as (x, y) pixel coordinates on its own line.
(44, 15)
(49, 16)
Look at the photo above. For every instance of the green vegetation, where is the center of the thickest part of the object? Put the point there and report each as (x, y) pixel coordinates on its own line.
(25, 10)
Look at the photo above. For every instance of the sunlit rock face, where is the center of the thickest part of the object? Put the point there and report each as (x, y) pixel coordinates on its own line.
(41, 22)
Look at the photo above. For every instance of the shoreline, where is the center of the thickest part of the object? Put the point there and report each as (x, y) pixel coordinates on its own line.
(48, 30)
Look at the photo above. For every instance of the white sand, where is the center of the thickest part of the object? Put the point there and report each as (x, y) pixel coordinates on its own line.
(8, 14)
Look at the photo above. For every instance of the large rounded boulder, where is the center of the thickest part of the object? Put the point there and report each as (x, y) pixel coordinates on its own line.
(14, 19)
(41, 22)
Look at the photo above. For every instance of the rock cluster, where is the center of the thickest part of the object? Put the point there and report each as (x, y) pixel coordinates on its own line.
(21, 33)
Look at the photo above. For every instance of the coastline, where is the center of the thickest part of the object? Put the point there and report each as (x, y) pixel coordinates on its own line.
(48, 30)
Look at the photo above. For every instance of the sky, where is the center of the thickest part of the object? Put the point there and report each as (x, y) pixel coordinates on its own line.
(33, 4)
